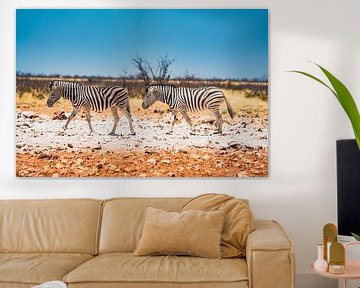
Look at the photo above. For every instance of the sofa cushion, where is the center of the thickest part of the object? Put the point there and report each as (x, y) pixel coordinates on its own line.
(123, 220)
(126, 268)
(36, 268)
(63, 226)
(193, 232)
(239, 220)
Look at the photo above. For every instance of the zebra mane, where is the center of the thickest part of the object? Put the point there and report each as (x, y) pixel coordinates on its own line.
(159, 85)
(51, 84)
(64, 83)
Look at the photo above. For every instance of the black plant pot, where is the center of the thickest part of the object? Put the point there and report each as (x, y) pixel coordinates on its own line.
(348, 187)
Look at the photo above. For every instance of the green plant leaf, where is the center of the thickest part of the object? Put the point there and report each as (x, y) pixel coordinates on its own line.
(347, 102)
(344, 97)
(356, 236)
(316, 79)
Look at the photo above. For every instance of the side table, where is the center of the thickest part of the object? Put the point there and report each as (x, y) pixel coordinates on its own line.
(352, 268)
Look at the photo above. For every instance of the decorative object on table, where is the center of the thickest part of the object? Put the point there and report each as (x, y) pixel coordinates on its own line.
(344, 97)
(52, 284)
(320, 264)
(329, 236)
(336, 269)
(337, 258)
(341, 267)
(333, 251)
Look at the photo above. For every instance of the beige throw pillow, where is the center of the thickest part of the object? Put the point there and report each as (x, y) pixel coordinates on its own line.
(196, 233)
(239, 220)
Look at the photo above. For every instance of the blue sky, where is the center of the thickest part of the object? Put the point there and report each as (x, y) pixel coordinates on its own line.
(206, 43)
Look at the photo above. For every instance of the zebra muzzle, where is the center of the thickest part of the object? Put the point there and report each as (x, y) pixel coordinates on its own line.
(144, 106)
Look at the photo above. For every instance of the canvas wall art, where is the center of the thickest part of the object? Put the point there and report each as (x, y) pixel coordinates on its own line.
(142, 93)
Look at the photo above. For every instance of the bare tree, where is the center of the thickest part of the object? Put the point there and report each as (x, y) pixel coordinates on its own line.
(163, 68)
(142, 65)
(159, 74)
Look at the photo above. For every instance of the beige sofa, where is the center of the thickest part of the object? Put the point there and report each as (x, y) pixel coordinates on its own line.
(89, 243)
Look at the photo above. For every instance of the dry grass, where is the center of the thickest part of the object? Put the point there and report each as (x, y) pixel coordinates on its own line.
(240, 104)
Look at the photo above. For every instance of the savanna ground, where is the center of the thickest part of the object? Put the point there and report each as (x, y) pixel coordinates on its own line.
(43, 149)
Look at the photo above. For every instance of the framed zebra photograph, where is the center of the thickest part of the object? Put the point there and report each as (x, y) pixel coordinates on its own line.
(142, 92)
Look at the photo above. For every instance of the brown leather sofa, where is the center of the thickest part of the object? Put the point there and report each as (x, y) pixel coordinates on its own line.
(89, 243)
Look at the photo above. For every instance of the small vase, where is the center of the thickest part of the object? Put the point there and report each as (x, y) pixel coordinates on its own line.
(320, 264)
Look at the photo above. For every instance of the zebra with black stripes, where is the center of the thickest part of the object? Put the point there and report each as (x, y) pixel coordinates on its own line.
(92, 98)
(183, 100)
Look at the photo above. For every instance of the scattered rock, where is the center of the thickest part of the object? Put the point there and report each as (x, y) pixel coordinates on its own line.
(29, 114)
(206, 157)
(60, 115)
(151, 134)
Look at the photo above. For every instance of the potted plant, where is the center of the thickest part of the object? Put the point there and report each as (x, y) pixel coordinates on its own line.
(345, 99)
(357, 237)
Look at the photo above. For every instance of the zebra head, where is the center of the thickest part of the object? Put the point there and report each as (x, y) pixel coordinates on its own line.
(150, 96)
(55, 93)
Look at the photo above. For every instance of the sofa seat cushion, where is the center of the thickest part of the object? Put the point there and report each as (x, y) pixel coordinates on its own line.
(127, 268)
(36, 268)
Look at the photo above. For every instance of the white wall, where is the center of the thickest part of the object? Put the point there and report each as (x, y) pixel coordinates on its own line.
(305, 120)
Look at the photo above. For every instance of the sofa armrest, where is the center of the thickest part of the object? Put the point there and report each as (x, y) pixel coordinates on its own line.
(269, 255)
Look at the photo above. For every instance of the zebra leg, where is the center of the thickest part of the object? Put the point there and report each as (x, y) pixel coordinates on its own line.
(219, 121)
(187, 118)
(129, 118)
(174, 119)
(88, 119)
(72, 115)
(116, 120)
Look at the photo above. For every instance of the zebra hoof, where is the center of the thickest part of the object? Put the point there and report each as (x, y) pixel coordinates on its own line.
(192, 133)
(169, 132)
(132, 134)
(113, 134)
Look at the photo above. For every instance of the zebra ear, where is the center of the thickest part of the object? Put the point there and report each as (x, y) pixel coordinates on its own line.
(51, 84)
(147, 87)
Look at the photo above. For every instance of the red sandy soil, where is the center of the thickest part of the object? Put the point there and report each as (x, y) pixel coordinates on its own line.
(243, 162)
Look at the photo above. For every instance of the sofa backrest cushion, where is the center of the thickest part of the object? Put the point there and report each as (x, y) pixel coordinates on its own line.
(64, 226)
(123, 220)
(239, 220)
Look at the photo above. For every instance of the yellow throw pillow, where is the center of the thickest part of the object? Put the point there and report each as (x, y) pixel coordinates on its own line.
(238, 224)
(195, 233)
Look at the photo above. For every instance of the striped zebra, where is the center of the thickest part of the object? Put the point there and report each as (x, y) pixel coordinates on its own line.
(92, 98)
(181, 99)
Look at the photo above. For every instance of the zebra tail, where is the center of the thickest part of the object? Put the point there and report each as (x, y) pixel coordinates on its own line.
(230, 110)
